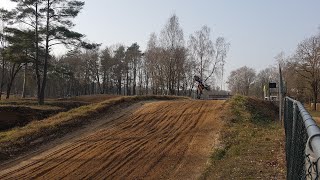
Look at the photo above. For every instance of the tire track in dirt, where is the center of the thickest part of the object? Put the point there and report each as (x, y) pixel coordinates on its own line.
(157, 141)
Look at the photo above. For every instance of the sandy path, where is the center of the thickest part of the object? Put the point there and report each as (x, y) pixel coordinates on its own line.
(161, 140)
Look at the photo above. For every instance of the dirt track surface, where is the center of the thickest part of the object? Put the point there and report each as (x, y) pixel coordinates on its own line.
(160, 140)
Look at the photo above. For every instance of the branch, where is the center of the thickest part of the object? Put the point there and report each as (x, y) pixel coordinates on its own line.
(64, 43)
(302, 74)
(213, 70)
(27, 23)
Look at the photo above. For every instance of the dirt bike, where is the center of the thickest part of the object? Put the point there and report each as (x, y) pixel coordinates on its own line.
(201, 86)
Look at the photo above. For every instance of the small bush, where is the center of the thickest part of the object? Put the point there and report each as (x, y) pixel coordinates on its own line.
(218, 154)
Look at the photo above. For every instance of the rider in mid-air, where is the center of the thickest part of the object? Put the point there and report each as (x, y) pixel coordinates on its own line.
(200, 87)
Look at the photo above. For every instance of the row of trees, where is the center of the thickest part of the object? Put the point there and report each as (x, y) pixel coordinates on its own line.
(167, 66)
(28, 34)
(30, 31)
(247, 82)
(113, 70)
(301, 73)
(302, 70)
(171, 64)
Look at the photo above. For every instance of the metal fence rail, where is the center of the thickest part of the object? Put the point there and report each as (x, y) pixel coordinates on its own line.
(302, 142)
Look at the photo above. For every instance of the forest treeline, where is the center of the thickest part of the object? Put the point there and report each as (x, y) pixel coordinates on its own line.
(30, 32)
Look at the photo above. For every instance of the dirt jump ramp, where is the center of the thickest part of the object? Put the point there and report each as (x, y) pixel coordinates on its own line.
(159, 140)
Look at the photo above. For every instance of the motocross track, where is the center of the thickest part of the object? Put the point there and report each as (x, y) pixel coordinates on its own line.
(159, 140)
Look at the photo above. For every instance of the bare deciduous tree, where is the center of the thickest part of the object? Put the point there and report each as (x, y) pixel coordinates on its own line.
(308, 63)
(201, 50)
(172, 41)
(240, 80)
(208, 56)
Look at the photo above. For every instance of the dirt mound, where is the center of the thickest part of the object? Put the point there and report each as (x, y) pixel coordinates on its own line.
(161, 140)
(262, 110)
(67, 105)
(252, 142)
(90, 98)
(253, 109)
(19, 140)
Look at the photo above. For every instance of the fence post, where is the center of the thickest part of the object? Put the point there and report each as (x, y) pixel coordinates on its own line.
(292, 173)
(285, 112)
(281, 93)
(280, 107)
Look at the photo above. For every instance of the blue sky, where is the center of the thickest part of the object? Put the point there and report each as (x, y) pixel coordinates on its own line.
(257, 30)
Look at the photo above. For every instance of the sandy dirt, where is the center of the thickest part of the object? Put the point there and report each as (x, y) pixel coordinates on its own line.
(317, 119)
(159, 140)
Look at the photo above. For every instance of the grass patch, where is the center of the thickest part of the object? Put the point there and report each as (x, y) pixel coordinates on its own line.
(20, 139)
(252, 143)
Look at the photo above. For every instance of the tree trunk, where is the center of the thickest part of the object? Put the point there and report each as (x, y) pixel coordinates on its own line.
(127, 84)
(315, 96)
(178, 86)
(9, 85)
(99, 85)
(45, 68)
(315, 101)
(201, 69)
(13, 75)
(37, 53)
(104, 82)
(24, 81)
(2, 76)
(119, 85)
(134, 77)
(108, 85)
(147, 83)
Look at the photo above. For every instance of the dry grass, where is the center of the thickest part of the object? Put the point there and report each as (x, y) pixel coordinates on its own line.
(17, 140)
(66, 103)
(37, 107)
(314, 113)
(48, 104)
(252, 143)
(19, 112)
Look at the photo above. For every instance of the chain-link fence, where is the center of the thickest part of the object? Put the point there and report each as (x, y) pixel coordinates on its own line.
(302, 142)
